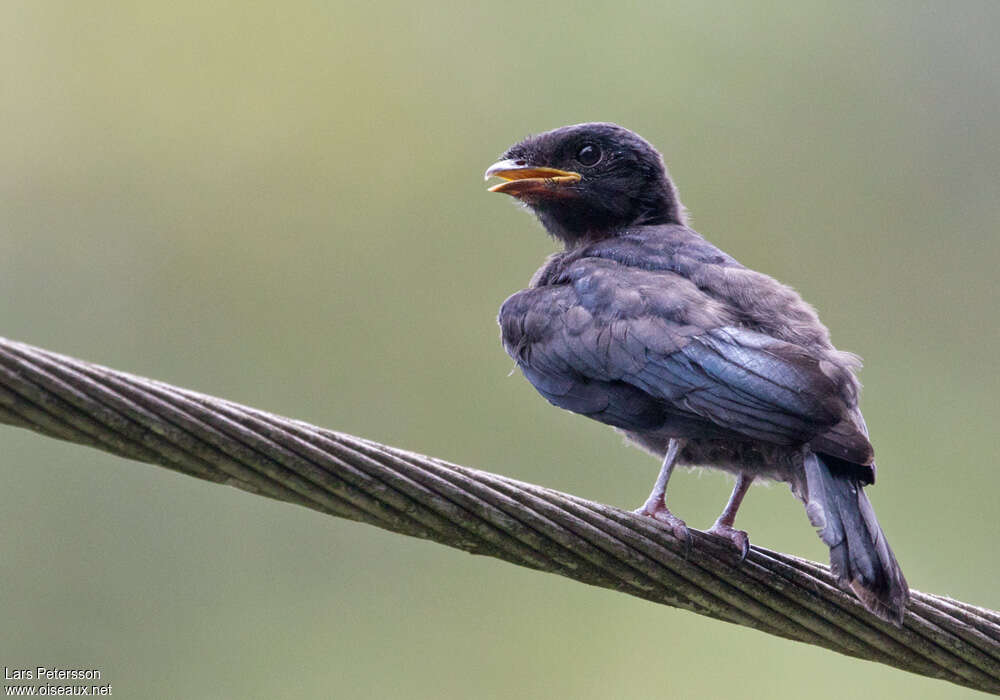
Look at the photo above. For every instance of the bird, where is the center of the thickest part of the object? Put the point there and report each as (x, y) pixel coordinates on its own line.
(640, 323)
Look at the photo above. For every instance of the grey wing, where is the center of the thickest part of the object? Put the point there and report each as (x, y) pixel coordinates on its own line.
(635, 348)
(543, 330)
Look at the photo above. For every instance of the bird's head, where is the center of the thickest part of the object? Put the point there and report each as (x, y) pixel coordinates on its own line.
(589, 181)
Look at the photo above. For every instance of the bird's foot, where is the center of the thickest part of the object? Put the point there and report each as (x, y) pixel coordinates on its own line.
(738, 538)
(657, 510)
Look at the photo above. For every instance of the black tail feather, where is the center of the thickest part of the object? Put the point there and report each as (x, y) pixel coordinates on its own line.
(860, 556)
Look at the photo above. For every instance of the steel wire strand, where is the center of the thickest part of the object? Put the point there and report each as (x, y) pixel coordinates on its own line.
(483, 513)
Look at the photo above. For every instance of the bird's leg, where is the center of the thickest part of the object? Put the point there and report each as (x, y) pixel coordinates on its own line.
(656, 505)
(724, 524)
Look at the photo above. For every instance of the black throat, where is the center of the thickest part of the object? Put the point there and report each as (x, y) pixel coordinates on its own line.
(576, 223)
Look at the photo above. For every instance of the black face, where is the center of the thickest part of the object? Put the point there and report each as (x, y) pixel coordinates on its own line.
(589, 181)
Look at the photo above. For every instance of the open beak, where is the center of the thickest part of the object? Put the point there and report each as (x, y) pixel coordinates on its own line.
(522, 178)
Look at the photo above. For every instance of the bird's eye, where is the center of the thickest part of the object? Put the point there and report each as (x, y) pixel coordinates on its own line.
(588, 154)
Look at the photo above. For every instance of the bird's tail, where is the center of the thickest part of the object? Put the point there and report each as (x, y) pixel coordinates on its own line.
(860, 556)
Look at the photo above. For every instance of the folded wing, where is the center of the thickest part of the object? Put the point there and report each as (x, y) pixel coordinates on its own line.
(634, 348)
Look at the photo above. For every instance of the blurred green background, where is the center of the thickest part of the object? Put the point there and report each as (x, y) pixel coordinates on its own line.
(283, 204)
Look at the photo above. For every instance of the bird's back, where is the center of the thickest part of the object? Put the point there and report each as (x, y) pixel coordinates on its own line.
(661, 314)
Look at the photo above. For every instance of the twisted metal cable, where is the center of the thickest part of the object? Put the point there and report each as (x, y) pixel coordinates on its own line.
(484, 513)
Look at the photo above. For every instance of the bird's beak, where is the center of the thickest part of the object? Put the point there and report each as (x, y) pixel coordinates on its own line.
(522, 178)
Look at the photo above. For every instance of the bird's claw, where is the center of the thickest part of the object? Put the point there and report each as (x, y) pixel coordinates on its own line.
(677, 527)
(738, 538)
